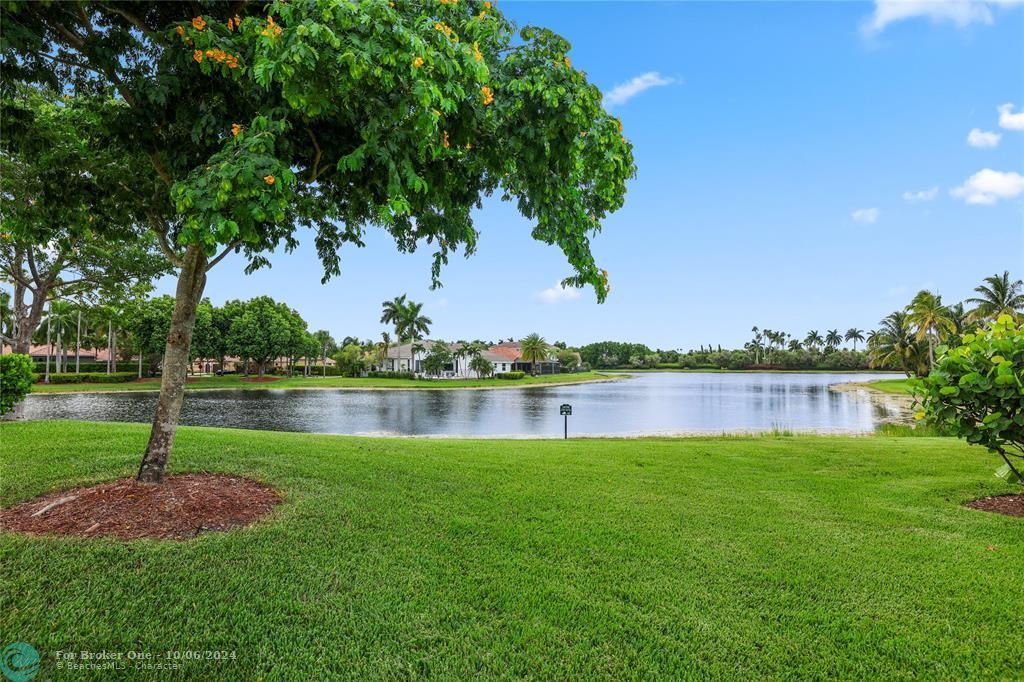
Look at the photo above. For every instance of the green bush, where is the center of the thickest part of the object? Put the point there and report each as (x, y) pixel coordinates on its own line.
(92, 378)
(390, 375)
(976, 391)
(39, 366)
(15, 380)
(511, 376)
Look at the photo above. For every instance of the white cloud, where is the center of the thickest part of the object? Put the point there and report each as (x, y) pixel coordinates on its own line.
(983, 139)
(1008, 119)
(923, 195)
(557, 294)
(623, 92)
(865, 216)
(958, 12)
(989, 186)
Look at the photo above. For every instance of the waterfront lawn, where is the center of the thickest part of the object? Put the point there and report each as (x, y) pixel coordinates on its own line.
(731, 557)
(237, 381)
(894, 386)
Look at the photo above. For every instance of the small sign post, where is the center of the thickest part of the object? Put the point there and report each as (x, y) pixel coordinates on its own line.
(565, 410)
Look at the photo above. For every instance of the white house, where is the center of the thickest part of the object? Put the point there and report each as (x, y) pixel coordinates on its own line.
(504, 357)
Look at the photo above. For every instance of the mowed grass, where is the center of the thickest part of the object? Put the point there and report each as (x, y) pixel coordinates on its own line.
(731, 557)
(237, 381)
(894, 386)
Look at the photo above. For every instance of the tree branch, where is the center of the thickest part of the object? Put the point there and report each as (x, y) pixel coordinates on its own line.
(160, 229)
(227, 249)
(128, 16)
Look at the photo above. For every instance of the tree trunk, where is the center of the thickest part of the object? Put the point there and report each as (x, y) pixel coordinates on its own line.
(191, 282)
(110, 335)
(78, 342)
(46, 378)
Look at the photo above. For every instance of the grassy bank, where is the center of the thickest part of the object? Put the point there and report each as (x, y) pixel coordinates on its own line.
(237, 381)
(892, 386)
(731, 557)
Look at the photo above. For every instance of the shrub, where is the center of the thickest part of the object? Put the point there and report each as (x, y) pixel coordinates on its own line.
(975, 390)
(15, 380)
(91, 378)
(390, 375)
(511, 376)
(90, 366)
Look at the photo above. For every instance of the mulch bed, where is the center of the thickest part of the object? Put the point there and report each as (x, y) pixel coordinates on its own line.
(1011, 505)
(261, 379)
(182, 507)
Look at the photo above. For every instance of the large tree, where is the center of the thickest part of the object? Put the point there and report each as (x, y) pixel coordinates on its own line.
(999, 295)
(66, 228)
(260, 119)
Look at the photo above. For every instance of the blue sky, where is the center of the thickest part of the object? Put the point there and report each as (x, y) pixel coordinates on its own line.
(775, 150)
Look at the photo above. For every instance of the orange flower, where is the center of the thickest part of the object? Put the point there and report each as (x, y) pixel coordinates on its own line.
(269, 179)
(488, 95)
(444, 139)
(231, 24)
(236, 128)
(198, 23)
(567, 65)
(487, 5)
(619, 123)
(180, 30)
(418, 62)
(469, 146)
(476, 52)
(197, 55)
(232, 61)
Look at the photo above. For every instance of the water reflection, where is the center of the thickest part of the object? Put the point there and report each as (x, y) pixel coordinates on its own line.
(662, 403)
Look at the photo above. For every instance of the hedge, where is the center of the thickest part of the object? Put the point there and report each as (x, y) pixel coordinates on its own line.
(512, 376)
(39, 366)
(91, 378)
(390, 375)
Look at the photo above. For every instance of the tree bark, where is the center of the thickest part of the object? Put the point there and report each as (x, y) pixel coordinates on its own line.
(191, 282)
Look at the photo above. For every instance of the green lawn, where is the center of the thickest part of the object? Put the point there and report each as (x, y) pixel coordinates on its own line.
(237, 381)
(731, 557)
(895, 386)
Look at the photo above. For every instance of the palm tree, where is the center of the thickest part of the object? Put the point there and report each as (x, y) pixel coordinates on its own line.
(999, 296)
(394, 314)
(385, 346)
(415, 325)
(931, 318)
(855, 335)
(813, 340)
(481, 365)
(893, 344)
(832, 339)
(534, 349)
(326, 344)
(795, 345)
(60, 318)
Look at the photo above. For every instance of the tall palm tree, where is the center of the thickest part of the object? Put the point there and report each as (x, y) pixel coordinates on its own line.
(60, 318)
(534, 349)
(998, 296)
(394, 314)
(415, 325)
(795, 345)
(832, 339)
(932, 320)
(961, 320)
(813, 340)
(855, 335)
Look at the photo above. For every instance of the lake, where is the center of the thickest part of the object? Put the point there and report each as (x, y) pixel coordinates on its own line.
(662, 403)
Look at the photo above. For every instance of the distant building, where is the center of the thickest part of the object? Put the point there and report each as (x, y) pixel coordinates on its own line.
(504, 357)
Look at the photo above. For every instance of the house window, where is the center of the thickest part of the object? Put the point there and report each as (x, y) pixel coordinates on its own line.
(503, 367)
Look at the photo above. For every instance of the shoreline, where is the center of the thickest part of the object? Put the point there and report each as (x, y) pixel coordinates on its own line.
(269, 385)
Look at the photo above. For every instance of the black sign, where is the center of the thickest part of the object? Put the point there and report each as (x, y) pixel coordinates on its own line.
(566, 408)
